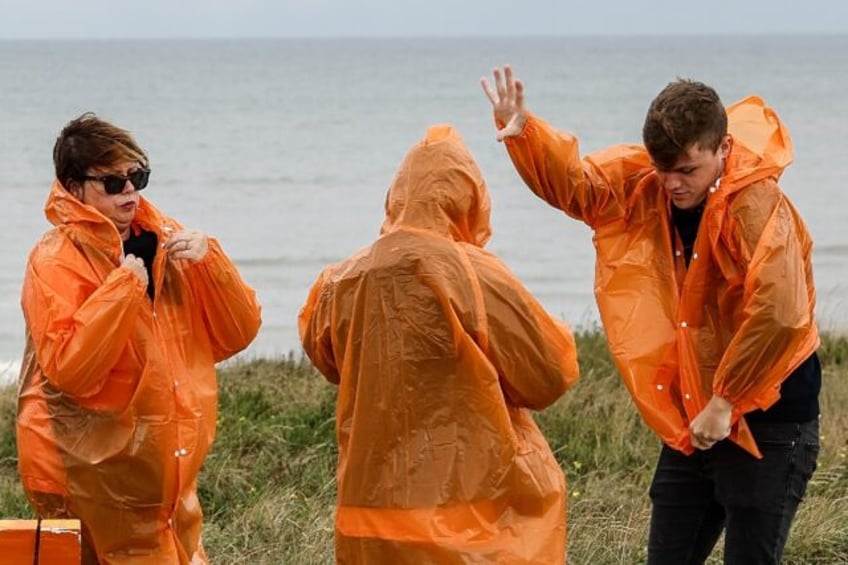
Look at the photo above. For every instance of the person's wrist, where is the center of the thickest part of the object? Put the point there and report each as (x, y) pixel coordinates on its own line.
(521, 122)
(721, 404)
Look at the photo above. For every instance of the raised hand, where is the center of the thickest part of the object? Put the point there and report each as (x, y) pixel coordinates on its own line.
(507, 102)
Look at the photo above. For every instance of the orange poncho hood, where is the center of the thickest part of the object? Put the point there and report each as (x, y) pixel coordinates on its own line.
(439, 188)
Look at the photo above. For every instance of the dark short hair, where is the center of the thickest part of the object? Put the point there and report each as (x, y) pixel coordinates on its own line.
(89, 142)
(684, 113)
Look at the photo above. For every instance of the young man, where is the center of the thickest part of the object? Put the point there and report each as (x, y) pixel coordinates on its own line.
(705, 288)
(439, 353)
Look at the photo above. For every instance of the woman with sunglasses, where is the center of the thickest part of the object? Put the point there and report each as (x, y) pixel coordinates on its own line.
(126, 315)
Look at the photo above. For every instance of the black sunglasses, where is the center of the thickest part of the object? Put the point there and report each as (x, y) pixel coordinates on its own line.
(114, 184)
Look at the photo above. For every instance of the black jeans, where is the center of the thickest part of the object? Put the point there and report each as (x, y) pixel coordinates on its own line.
(694, 497)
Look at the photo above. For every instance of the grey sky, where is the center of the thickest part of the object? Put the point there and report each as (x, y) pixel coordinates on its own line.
(322, 18)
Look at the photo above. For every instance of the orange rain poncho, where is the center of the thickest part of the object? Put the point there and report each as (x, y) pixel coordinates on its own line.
(739, 320)
(118, 397)
(438, 350)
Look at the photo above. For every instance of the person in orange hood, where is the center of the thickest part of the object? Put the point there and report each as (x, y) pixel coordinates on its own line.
(439, 352)
(126, 315)
(705, 288)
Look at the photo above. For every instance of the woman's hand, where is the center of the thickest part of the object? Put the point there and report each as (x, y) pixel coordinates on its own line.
(187, 244)
(136, 267)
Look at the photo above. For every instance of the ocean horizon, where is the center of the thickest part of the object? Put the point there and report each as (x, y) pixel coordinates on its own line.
(283, 148)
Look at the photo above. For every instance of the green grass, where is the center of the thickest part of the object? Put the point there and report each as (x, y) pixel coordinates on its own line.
(268, 487)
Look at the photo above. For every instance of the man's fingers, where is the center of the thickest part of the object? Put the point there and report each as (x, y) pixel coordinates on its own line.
(510, 82)
(490, 94)
(519, 94)
(499, 83)
(702, 443)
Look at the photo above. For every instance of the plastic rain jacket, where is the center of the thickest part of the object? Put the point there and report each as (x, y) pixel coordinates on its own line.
(739, 320)
(438, 351)
(118, 399)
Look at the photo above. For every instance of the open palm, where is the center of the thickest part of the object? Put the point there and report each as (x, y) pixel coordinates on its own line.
(507, 100)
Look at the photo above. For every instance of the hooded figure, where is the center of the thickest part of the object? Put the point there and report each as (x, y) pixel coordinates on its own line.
(439, 352)
(117, 394)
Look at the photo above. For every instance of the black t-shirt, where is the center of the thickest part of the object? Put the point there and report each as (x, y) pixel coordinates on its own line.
(686, 223)
(143, 245)
(799, 393)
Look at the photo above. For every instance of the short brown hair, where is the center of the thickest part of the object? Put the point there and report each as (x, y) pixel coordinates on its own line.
(684, 113)
(89, 142)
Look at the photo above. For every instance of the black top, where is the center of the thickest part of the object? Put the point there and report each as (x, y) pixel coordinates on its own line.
(686, 222)
(799, 396)
(799, 393)
(143, 245)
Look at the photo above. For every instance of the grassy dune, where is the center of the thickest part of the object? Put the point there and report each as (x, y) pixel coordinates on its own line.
(268, 485)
